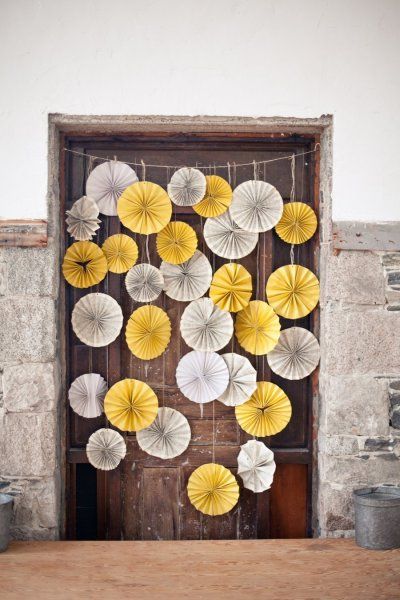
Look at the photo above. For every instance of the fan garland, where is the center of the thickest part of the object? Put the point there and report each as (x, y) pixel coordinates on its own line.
(148, 332)
(176, 243)
(84, 264)
(231, 287)
(121, 252)
(217, 198)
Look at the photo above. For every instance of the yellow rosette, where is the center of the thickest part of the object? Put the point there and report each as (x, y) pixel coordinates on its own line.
(298, 223)
(231, 287)
(148, 332)
(293, 291)
(176, 243)
(257, 328)
(217, 199)
(131, 405)
(213, 489)
(84, 264)
(267, 412)
(144, 207)
(121, 252)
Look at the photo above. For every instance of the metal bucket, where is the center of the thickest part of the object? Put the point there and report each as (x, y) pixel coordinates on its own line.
(377, 517)
(6, 511)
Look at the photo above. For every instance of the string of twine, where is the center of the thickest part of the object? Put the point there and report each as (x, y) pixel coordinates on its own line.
(292, 197)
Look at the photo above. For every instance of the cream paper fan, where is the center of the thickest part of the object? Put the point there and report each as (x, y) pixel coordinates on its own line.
(97, 319)
(105, 449)
(296, 354)
(168, 436)
(187, 186)
(205, 327)
(86, 395)
(106, 183)
(202, 376)
(242, 380)
(188, 281)
(256, 206)
(256, 466)
(82, 219)
(144, 283)
(226, 239)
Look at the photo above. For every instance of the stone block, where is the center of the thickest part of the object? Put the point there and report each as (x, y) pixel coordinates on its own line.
(336, 511)
(354, 277)
(31, 271)
(356, 471)
(36, 506)
(29, 387)
(338, 445)
(3, 278)
(28, 534)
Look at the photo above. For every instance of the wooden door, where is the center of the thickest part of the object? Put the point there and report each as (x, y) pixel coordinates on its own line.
(145, 498)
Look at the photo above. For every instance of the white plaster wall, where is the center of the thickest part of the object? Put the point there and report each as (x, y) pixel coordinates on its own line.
(298, 58)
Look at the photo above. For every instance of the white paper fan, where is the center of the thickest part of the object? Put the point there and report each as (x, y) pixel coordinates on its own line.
(256, 206)
(105, 449)
(296, 354)
(188, 281)
(202, 376)
(144, 283)
(97, 319)
(86, 395)
(226, 239)
(242, 380)
(82, 219)
(168, 436)
(187, 186)
(256, 466)
(205, 327)
(106, 183)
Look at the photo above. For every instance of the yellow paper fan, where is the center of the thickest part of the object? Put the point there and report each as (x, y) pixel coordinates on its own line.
(257, 328)
(148, 332)
(176, 243)
(131, 405)
(144, 207)
(217, 198)
(231, 287)
(84, 264)
(298, 223)
(213, 489)
(267, 412)
(293, 291)
(121, 252)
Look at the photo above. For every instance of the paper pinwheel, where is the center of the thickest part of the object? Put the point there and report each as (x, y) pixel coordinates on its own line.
(105, 449)
(187, 186)
(257, 328)
(121, 252)
(256, 466)
(202, 376)
(82, 219)
(176, 243)
(148, 332)
(206, 327)
(84, 265)
(242, 380)
(266, 413)
(168, 436)
(256, 206)
(213, 489)
(130, 405)
(144, 283)
(217, 198)
(106, 183)
(188, 281)
(144, 207)
(86, 395)
(231, 287)
(97, 319)
(296, 355)
(226, 239)
(298, 223)
(293, 291)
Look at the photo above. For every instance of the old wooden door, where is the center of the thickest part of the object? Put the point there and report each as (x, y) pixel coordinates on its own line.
(145, 498)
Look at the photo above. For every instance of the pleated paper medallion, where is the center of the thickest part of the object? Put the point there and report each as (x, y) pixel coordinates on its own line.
(226, 239)
(242, 380)
(257, 328)
(205, 327)
(144, 207)
(256, 206)
(106, 183)
(202, 376)
(84, 264)
(256, 466)
(86, 395)
(267, 412)
(296, 355)
(97, 319)
(148, 332)
(213, 489)
(298, 223)
(82, 219)
(188, 281)
(217, 198)
(130, 405)
(187, 186)
(144, 283)
(231, 287)
(105, 449)
(168, 436)
(121, 252)
(176, 243)
(293, 291)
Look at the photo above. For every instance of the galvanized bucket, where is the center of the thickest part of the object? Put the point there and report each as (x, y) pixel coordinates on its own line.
(377, 517)
(6, 511)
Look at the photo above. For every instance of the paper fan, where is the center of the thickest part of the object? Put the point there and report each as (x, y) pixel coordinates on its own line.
(105, 449)
(217, 198)
(97, 319)
(213, 489)
(86, 395)
(226, 239)
(144, 207)
(257, 328)
(256, 206)
(187, 186)
(82, 219)
(168, 436)
(231, 287)
(130, 405)
(176, 243)
(256, 466)
(202, 376)
(188, 281)
(206, 327)
(144, 283)
(84, 264)
(148, 332)
(298, 223)
(293, 291)
(267, 412)
(121, 252)
(106, 183)
(296, 355)
(242, 380)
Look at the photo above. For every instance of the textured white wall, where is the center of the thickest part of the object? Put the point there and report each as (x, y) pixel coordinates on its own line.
(217, 57)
